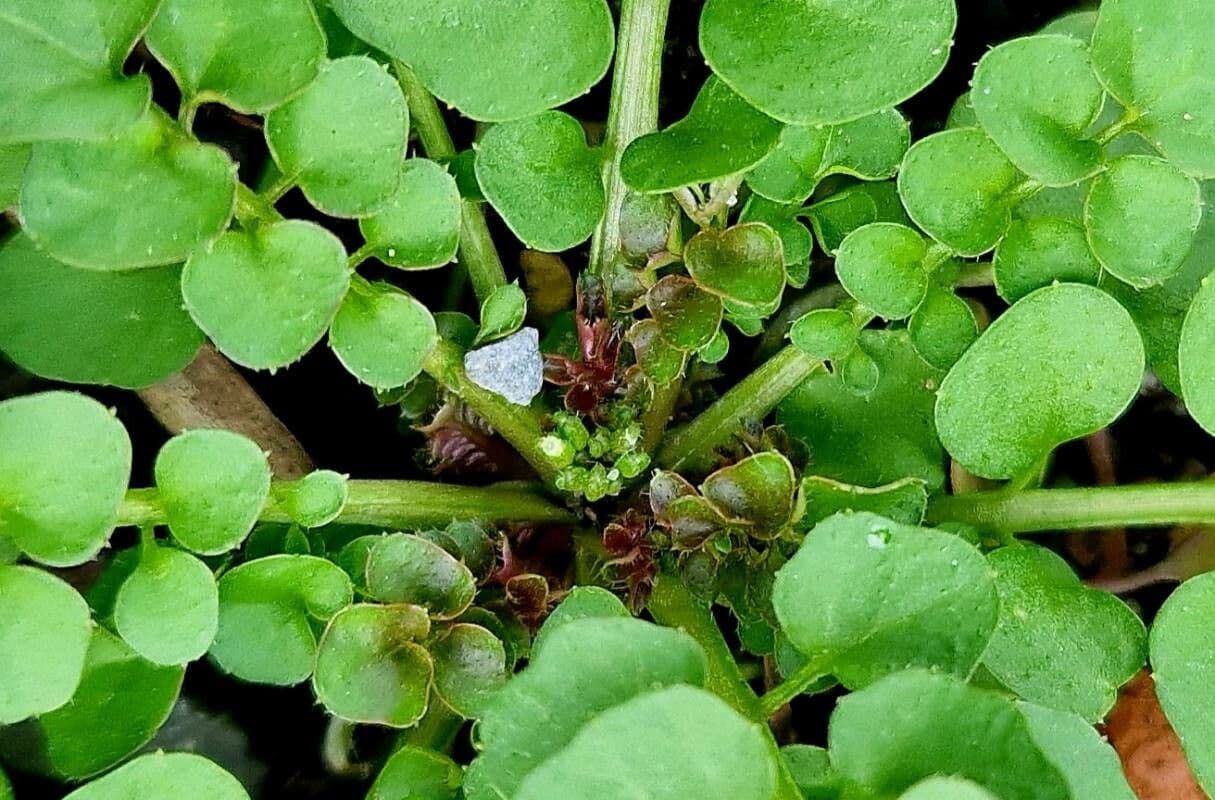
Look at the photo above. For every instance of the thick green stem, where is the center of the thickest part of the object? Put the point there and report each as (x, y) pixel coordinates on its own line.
(784, 692)
(390, 504)
(691, 447)
(633, 112)
(477, 250)
(436, 731)
(519, 425)
(658, 413)
(1037, 510)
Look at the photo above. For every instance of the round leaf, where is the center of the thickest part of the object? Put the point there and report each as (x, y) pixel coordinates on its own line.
(121, 702)
(294, 272)
(661, 361)
(176, 196)
(1156, 58)
(541, 177)
(1039, 252)
(497, 60)
(1141, 216)
(251, 57)
(1088, 763)
(1045, 133)
(404, 568)
(125, 329)
(369, 669)
(687, 317)
(902, 501)
(418, 774)
(958, 187)
(881, 53)
(882, 267)
(213, 485)
(419, 228)
(947, 789)
(1059, 643)
(266, 613)
(581, 602)
(828, 334)
(1196, 356)
(343, 137)
(758, 489)
(720, 136)
(61, 69)
(168, 609)
(44, 633)
(866, 597)
(470, 666)
(943, 328)
(840, 214)
(314, 500)
(502, 313)
(1183, 666)
(382, 335)
(677, 743)
(65, 463)
(164, 775)
(1063, 362)
(743, 264)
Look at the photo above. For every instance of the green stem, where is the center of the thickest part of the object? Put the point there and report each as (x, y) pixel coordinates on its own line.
(519, 425)
(252, 208)
(784, 692)
(389, 504)
(477, 250)
(1038, 510)
(658, 413)
(436, 731)
(633, 112)
(691, 447)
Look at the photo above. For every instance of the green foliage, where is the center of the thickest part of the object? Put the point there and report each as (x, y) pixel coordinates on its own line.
(828, 334)
(167, 609)
(470, 666)
(883, 266)
(687, 317)
(502, 313)
(903, 501)
(541, 177)
(419, 774)
(404, 568)
(419, 228)
(942, 328)
(382, 334)
(164, 775)
(314, 500)
(1063, 362)
(1037, 252)
(493, 61)
(743, 265)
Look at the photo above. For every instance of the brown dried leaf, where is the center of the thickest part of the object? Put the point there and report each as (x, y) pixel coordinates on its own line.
(1150, 752)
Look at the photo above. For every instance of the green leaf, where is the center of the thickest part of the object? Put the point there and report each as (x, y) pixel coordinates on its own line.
(470, 666)
(828, 334)
(1045, 133)
(721, 136)
(859, 372)
(494, 61)
(417, 774)
(1089, 765)
(167, 610)
(124, 329)
(877, 438)
(44, 632)
(840, 214)
(382, 335)
(959, 187)
(1063, 362)
(903, 501)
(870, 148)
(795, 240)
(674, 743)
(1038, 252)
(419, 228)
(1155, 57)
(1059, 643)
(1196, 356)
(295, 270)
(743, 265)
(164, 775)
(248, 57)
(13, 159)
(943, 328)
(61, 68)
(810, 767)
(759, 490)
(213, 485)
(6, 788)
(404, 568)
(866, 597)
(883, 266)
(881, 53)
(688, 317)
(121, 702)
(370, 668)
(661, 361)
(177, 196)
(1141, 216)
(541, 177)
(1183, 667)
(65, 463)
(581, 602)
(502, 313)
(587, 666)
(938, 788)
(266, 613)
(343, 138)
(314, 500)
(915, 724)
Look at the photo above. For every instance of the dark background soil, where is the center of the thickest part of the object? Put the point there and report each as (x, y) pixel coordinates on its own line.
(271, 738)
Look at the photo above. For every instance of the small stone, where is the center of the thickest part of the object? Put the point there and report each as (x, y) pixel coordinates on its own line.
(511, 368)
